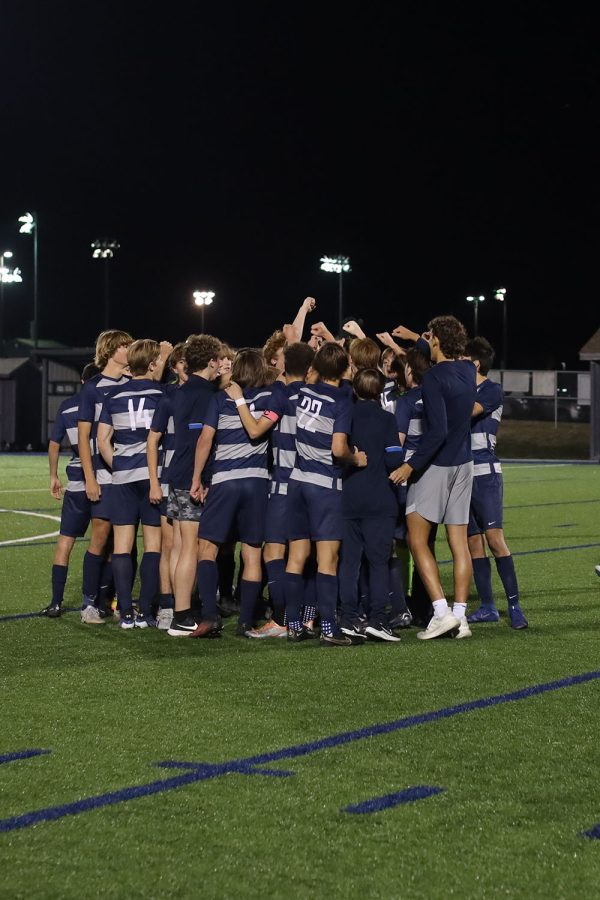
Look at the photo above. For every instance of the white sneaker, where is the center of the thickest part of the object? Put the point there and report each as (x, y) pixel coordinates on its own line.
(439, 626)
(463, 629)
(597, 568)
(91, 616)
(164, 617)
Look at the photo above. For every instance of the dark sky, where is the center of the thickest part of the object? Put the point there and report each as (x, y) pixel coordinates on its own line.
(447, 149)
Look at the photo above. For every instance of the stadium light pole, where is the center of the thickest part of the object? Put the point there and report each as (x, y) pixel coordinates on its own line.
(203, 299)
(29, 225)
(105, 249)
(339, 265)
(475, 301)
(6, 277)
(500, 295)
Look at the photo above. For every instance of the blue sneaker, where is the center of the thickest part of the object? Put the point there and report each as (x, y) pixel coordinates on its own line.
(484, 614)
(127, 621)
(517, 618)
(145, 621)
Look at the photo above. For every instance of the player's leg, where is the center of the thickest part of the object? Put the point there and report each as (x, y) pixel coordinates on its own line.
(184, 559)
(124, 537)
(479, 514)
(506, 570)
(93, 562)
(351, 554)
(378, 535)
(442, 621)
(166, 602)
(149, 574)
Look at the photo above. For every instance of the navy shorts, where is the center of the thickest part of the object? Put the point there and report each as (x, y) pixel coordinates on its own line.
(314, 512)
(276, 528)
(486, 503)
(241, 504)
(75, 514)
(101, 508)
(130, 504)
(163, 506)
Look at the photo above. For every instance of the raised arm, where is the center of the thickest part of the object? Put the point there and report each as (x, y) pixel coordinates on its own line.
(297, 326)
(166, 348)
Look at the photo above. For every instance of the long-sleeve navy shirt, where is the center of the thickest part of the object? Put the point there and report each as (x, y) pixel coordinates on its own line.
(368, 492)
(449, 393)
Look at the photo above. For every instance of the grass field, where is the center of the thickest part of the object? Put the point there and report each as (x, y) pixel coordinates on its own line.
(517, 775)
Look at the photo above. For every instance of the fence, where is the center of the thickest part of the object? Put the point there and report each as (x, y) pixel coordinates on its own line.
(545, 396)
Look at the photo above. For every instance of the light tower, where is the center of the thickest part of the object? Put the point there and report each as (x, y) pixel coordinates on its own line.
(339, 265)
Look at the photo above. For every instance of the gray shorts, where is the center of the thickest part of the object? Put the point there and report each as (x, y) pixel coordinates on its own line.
(442, 494)
(180, 506)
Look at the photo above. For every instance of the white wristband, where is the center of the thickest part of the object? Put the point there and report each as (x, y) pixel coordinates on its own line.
(240, 402)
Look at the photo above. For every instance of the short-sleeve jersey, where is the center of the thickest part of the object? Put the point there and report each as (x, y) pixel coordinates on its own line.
(409, 419)
(235, 454)
(283, 437)
(189, 405)
(484, 428)
(163, 423)
(66, 424)
(92, 396)
(322, 410)
(130, 411)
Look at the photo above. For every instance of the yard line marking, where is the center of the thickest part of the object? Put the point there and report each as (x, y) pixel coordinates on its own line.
(208, 771)
(34, 537)
(22, 754)
(24, 491)
(36, 615)
(409, 795)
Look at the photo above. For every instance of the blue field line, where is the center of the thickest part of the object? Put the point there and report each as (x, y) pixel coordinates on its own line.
(22, 754)
(446, 562)
(206, 771)
(36, 615)
(408, 795)
(551, 503)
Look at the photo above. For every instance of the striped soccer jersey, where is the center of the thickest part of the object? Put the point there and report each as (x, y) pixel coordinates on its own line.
(484, 428)
(283, 437)
(130, 411)
(93, 395)
(322, 410)
(164, 423)
(66, 424)
(409, 419)
(235, 455)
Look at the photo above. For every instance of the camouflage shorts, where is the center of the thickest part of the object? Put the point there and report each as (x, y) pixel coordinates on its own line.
(180, 506)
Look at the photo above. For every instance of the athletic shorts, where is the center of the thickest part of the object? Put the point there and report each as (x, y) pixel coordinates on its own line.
(314, 512)
(130, 504)
(180, 506)
(442, 494)
(163, 506)
(75, 514)
(486, 503)
(241, 502)
(276, 527)
(101, 508)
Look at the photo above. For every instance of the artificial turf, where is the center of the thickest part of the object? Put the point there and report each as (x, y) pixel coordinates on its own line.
(519, 779)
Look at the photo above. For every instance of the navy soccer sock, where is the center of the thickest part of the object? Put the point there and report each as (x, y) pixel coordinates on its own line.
(149, 581)
(106, 591)
(59, 579)
(207, 577)
(275, 574)
(166, 601)
(327, 592)
(123, 574)
(506, 570)
(249, 593)
(92, 569)
(294, 590)
(482, 575)
(397, 593)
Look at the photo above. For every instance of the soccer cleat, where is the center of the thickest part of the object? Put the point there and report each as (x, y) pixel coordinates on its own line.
(242, 629)
(463, 629)
(91, 616)
(228, 607)
(311, 630)
(269, 630)
(517, 618)
(182, 629)
(164, 619)
(355, 630)
(336, 639)
(439, 626)
(484, 614)
(128, 621)
(52, 611)
(401, 620)
(209, 628)
(143, 620)
(381, 632)
(294, 635)
(597, 570)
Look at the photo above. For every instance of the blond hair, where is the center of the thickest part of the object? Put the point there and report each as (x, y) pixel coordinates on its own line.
(141, 354)
(107, 344)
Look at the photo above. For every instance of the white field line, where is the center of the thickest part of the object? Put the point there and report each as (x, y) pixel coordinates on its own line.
(25, 490)
(34, 537)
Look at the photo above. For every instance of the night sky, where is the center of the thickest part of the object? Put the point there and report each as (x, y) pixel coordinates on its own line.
(447, 149)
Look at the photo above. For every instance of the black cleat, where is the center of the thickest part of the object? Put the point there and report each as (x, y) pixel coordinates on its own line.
(242, 629)
(337, 639)
(294, 636)
(52, 611)
(401, 620)
(355, 630)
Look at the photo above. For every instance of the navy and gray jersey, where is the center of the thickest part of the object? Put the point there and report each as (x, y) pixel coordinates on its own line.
(322, 410)
(409, 419)
(283, 436)
(93, 395)
(484, 428)
(164, 423)
(389, 396)
(130, 411)
(66, 424)
(449, 394)
(235, 454)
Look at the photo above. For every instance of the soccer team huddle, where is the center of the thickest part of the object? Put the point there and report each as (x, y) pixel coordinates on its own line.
(329, 462)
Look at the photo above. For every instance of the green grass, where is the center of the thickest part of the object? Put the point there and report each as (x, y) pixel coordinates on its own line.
(520, 779)
(520, 439)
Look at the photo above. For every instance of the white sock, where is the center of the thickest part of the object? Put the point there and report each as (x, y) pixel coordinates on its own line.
(459, 610)
(440, 608)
